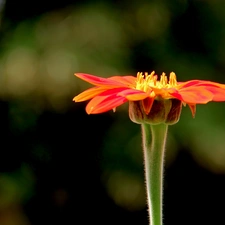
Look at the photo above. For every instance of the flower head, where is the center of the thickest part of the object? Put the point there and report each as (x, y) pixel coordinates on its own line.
(109, 93)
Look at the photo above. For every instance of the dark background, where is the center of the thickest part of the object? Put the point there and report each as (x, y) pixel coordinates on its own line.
(59, 165)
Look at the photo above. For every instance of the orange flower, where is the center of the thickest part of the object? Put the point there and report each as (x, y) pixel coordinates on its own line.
(112, 92)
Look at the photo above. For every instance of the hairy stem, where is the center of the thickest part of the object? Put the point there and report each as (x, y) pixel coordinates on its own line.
(154, 139)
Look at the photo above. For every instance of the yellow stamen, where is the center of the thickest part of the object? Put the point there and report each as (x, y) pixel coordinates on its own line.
(163, 79)
(148, 81)
(173, 79)
(155, 78)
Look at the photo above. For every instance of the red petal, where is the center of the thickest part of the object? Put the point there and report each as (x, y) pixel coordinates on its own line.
(100, 81)
(126, 80)
(217, 89)
(193, 95)
(100, 104)
(105, 101)
(218, 93)
(190, 83)
(147, 104)
(193, 109)
(204, 83)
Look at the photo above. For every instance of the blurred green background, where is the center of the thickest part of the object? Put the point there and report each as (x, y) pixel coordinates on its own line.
(59, 165)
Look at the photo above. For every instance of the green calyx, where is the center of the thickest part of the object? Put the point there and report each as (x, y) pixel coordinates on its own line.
(165, 111)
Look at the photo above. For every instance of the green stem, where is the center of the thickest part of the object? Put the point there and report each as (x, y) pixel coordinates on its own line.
(154, 139)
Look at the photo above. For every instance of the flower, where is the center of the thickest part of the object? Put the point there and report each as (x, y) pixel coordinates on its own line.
(112, 92)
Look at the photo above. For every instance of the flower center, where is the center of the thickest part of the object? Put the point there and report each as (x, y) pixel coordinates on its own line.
(145, 82)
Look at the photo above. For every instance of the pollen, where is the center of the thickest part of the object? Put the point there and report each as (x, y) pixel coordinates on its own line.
(146, 82)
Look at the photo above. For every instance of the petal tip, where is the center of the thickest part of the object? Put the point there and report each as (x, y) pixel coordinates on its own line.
(89, 110)
(75, 99)
(77, 74)
(193, 109)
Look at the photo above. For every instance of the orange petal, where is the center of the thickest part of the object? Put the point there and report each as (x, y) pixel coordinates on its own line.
(105, 101)
(193, 95)
(133, 94)
(218, 93)
(189, 83)
(100, 104)
(204, 83)
(217, 89)
(100, 81)
(88, 94)
(211, 84)
(164, 92)
(126, 80)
